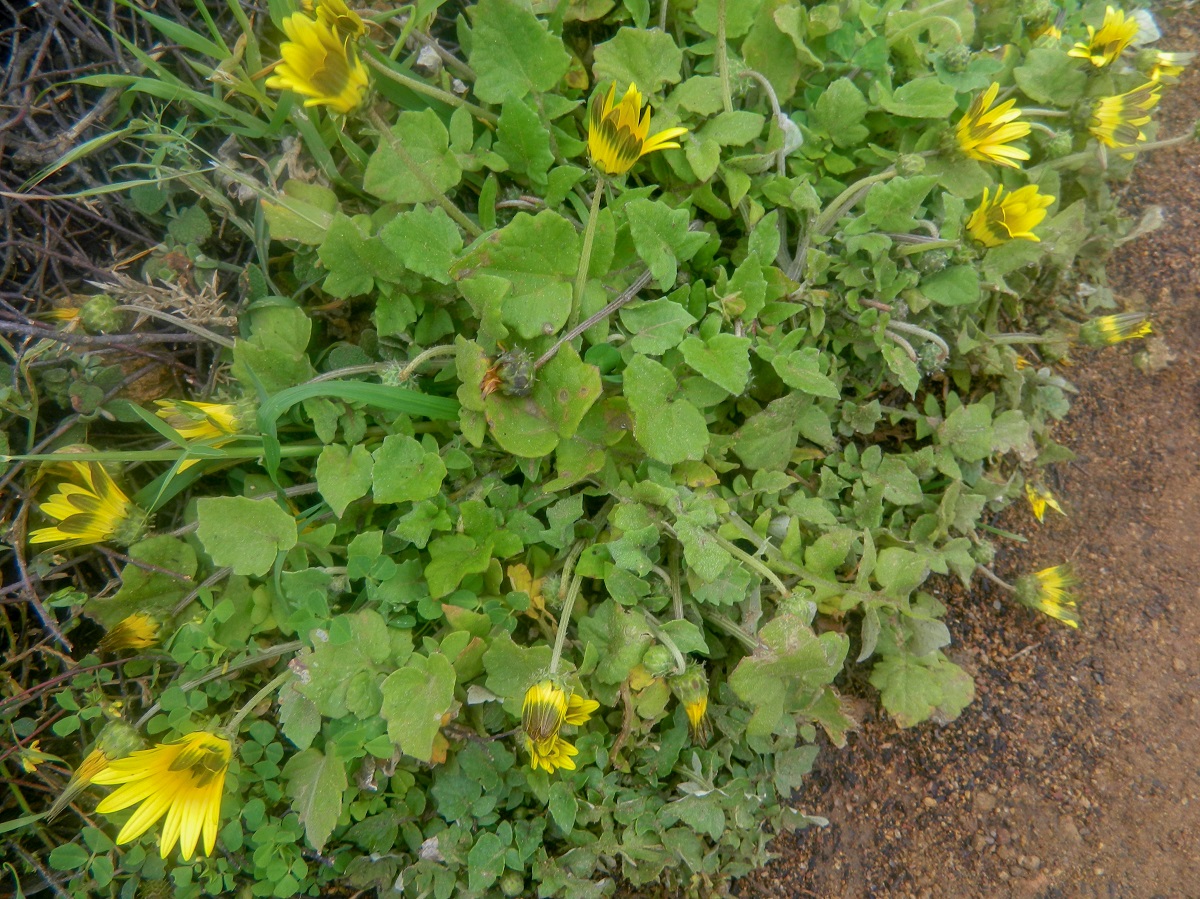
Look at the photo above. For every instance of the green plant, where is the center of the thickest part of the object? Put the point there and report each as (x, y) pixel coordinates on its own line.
(686, 439)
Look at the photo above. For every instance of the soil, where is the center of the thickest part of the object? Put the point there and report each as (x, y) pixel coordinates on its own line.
(1076, 771)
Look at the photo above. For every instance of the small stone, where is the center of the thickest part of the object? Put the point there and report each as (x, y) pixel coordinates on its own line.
(1069, 833)
(929, 802)
(984, 802)
(1179, 665)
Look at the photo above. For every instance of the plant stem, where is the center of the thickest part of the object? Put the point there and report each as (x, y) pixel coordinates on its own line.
(829, 216)
(585, 256)
(447, 349)
(738, 553)
(918, 331)
(564, 621)
(439, 196)
(723, 57)
(624, 297)
(179, 323)
(665, 639)
(274, 684)
(224, 671)
(1010, 339)
(991, 576)
(429, 90)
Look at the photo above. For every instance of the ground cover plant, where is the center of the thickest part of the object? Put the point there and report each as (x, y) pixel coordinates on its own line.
(602, 387)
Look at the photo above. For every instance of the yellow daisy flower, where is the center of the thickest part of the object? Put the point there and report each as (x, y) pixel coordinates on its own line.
(1004, 218)
(90, 508)
(319, 65)
(1040, 499)
(183, 780)
(195, 420)
(137, 631)
(985, 133)
(617, 134)
(1117, 121)
(1048, 591)
(1112, 329)
(1105, 45)
(341, 18)
(546, 708)
(116, 741)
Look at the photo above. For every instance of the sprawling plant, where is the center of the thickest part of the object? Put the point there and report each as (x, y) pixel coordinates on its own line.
(610, 381)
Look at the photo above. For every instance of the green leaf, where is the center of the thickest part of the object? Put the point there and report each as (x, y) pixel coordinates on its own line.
(723, 359)
(801, 370)
(968, 432)
(404, 471)
(315, 783)
(535, 258)
(662, 239)
(735, 128)
(563, 805)
(924, 98)
(648, 59)
(532, 426)
(343, 475)
(365, 644)
(512, 52)
(512, 669)
(788, 674)
(415, 698)
(244, 534)
(525, 142)
(914, 689)
(303, 212)
(276, 352)
(451, 559)
(839, 112)
(738, 17)
(426, 241)
(1049, 75)
(956, 286)
(144, 590)
(899, 571)
(621, 637)
(485, 862)
(766, 440)
(669, 430)
(656, 326)
(705, 557)
(893, 205)
(299, 717)
(429, 168)
(356, 258)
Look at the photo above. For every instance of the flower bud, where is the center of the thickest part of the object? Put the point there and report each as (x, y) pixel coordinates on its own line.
(1060, 145)
(100, 315)
(931, 262)
(956, 59)
(658, 661)
(691, 689)
(910, 164)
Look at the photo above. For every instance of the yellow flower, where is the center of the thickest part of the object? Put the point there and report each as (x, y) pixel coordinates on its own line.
(1167, 67)
(1048, 591)
(1111, 329)
(1040, 499)
(546, 709)
(137, 631)
(985, 133)
(200, 421)
(617, 135)
(89, 509)
(183, 780)
(341, 19)
(1117, 121)
(318, 65)
(1002, 219)
(117, 740)
(1105, 45)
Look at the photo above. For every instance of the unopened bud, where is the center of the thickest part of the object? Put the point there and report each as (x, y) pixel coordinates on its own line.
(910, 164)
(100, 315)
(956, 59)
